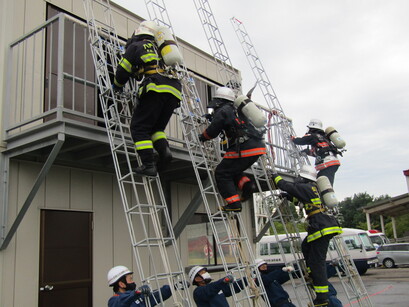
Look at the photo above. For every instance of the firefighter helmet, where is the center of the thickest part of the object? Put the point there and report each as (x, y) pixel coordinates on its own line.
(225, 93)
(116, 273)
(146, 27)
(260, 262)
(308, 172)
(315, 124)
(193, 272)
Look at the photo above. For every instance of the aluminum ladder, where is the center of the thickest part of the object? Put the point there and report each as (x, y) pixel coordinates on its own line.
(143, 200)
(351, 281)
(234, 249)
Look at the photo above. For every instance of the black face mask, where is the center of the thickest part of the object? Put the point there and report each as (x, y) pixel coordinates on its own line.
(263, 271)
(130, 286)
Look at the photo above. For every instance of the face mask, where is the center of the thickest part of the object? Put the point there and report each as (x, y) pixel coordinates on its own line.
(207, 278)
(130, 286)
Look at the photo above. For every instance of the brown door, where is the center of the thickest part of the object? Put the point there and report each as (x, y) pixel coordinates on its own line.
(65, 259)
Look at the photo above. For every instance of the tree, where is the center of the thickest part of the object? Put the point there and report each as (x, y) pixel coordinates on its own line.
(351, 210)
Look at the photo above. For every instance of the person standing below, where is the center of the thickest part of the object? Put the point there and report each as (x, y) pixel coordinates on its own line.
(212, 294)
(321, 228)
(159, 94)
(272, 282)
(126, 294)
(245, 146)
(326, 159)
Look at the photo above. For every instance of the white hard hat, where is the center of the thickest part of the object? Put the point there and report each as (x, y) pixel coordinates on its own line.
(225, 93)
(308, 172)
(193, 272)
(260, 262)
(315, 124)
(116, 273)
(147, 27)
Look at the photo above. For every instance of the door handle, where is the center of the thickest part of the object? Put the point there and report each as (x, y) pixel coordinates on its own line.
(46, 288)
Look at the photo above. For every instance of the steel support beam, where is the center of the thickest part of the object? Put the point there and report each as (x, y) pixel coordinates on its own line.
(40, 179)
(190, 210)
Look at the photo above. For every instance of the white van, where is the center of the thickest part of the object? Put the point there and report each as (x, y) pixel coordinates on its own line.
(378, 238)
(359, 245)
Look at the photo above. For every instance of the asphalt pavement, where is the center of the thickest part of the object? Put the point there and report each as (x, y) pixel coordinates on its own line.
(385, 287)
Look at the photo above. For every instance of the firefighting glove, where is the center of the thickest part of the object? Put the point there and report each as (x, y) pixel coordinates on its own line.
(181, 285)
(117, 89)
(201, 137)
(144, 290)
(228, 279)
(208, 116)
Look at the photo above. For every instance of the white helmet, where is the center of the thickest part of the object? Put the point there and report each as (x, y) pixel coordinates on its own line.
(193, 272)
(225, 93)
(308, 172)
(116, 273)
(260, 262)
(147, 27)
(315, 124)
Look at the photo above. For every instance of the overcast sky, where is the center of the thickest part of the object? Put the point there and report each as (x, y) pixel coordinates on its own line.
(344, 62)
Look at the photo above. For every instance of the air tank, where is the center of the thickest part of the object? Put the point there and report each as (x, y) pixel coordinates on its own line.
(250, 110)
(335, 138)
(168, 48)
(327, 192)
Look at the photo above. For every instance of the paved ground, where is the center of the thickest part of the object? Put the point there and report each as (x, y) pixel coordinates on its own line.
(385, 287)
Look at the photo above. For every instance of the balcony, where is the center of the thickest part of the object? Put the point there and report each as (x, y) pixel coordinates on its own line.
(52, 97)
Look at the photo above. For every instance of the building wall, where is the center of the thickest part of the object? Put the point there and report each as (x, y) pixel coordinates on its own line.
(74, 189)
(78, 190)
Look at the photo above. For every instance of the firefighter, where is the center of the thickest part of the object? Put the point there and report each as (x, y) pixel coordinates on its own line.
(272, 282)
(245, 145)
(321, 228)
(325, 153)
(210, 294)
(159, 94)
(126, 294)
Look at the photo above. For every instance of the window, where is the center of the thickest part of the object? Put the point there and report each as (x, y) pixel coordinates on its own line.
(264, 249)
(202, 247)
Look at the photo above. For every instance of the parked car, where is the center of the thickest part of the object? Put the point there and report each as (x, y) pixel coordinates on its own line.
(391, 255)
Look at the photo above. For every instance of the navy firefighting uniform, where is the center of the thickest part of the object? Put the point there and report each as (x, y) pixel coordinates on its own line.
(276, 294)
(214, 294)
(321, 228)
(243, 151)
(326, 160)
(134, 299)
(158, 94)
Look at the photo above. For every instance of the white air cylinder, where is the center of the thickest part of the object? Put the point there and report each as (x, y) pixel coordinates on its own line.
(334, 136)
(168, 48)
(250, 110)
(327, 192)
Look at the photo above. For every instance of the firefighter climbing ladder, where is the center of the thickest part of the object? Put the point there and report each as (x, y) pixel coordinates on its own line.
(347, 272)
(142, 198)
(232, 242)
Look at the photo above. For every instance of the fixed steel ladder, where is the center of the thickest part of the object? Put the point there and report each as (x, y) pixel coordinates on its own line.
(234, 248)
(347, 272)
(154, 245)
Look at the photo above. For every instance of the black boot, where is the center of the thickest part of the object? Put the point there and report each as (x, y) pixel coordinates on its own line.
(233, 207)
(148, 167)
(165, 155)
(321, 302)
(248, 189)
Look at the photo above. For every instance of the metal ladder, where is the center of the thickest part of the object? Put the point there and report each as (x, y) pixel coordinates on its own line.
(234, 250)
(153, 242)
(351, 281)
